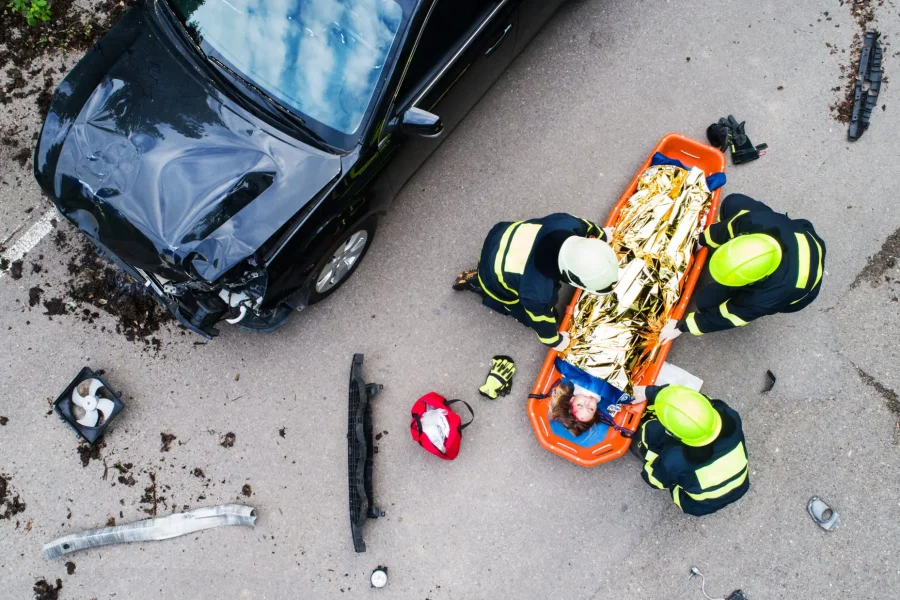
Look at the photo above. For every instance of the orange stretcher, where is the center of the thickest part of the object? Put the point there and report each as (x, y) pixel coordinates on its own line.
(692, 154)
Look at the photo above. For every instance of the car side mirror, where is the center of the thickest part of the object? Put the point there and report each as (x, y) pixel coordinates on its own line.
(416, 121)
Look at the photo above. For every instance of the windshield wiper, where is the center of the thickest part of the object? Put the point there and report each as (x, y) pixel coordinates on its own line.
(290, 115)
(285, 113)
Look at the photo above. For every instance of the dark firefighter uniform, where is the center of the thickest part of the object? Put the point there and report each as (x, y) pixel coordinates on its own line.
(793, 285)
(519, 269)
(701, 480)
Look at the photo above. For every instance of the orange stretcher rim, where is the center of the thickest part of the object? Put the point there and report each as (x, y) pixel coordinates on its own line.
(692, 154)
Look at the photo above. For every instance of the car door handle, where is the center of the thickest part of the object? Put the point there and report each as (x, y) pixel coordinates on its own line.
(499, 40)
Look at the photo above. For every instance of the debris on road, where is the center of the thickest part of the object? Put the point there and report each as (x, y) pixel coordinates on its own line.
(228, 440)
(167, 439)
(825, 517)
(88, 452)
(150, 498)
(770, 381)
(379, 577)
(70, 568)
(735, 595)
(867, 85)
(247, 490)
(160, 528)
(5, 420)
(361, 452)
(10, 504)
(88, 405)
(46, 591)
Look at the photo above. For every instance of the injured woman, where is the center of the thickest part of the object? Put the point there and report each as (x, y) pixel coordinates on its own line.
(574, 407)
(582, 406)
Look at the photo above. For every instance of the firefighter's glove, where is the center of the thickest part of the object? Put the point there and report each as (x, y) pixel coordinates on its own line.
(499, 380)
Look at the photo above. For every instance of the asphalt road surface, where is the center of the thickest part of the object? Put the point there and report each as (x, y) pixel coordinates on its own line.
(563, 130)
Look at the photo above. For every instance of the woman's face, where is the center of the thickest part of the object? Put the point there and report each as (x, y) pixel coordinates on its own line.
(584, 408)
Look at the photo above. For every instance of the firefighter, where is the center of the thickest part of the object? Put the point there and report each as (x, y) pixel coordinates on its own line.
(763, 263)
(693, 447)
(522, 265)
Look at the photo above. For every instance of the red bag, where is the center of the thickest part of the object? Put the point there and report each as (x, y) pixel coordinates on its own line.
(451, 444)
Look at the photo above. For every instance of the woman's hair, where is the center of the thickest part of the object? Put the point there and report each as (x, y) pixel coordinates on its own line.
(562, 410)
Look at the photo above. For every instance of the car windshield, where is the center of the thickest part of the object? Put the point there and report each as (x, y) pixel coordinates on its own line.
(322, 58)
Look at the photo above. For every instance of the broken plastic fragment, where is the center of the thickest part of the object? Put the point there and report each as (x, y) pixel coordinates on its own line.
(160, 528)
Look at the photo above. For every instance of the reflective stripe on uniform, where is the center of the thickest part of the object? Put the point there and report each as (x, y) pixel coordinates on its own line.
(692, 324)
(735, 320)
(803, 260)
(718, 493)
(554, 340)
(723, 469)
(709, 240)
(590, 226)
(731, 221)
(821, 263)
(501, 252)
(536, 318)
(488, 292)
(648, 468)
(520, 248)
(676, 496)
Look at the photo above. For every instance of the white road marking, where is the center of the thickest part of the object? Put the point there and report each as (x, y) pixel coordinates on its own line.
(30, 238)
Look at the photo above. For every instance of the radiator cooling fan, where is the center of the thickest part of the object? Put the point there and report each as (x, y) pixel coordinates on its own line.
(88, 405)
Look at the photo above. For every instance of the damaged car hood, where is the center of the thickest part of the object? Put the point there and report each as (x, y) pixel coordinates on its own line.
(160, 167)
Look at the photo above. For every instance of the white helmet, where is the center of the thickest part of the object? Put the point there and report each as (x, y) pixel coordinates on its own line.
(589, 264)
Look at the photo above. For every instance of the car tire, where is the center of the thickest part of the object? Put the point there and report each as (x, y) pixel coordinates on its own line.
(344, 258)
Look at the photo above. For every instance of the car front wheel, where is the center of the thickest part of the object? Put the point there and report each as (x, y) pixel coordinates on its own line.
(345, 258)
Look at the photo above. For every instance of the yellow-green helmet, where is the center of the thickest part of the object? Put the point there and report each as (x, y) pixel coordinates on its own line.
(688, 415)
(746, 259)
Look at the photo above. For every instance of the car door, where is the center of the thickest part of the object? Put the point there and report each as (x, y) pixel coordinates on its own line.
(461, 50)
(532, 16)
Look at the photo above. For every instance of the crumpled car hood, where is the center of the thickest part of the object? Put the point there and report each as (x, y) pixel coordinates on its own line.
(159, 166)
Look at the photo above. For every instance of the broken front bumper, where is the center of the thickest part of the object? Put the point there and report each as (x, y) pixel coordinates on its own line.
(360, 452)
(195, 311)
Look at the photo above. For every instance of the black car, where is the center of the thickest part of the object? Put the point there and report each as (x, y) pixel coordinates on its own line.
(234, 155)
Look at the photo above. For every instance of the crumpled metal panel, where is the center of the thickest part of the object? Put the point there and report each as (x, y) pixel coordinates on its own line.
(148, 159)
(159, 528)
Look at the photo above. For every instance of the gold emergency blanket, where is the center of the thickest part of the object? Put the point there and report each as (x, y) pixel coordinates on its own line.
(615, 336)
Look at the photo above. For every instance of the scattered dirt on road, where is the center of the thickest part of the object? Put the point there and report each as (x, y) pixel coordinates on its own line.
(87, 453)
(227, 440)
(247, 490)
(46, 591)
(71, 28)
(70, 568)
(101, 284)
(863, 12)
(3, 420)
(111, 522)
(125, 476)
(150, 499)
(10, 504)
(198, 473)
(166, 439)
(15, 269)
(282, 432)
(55, 307)
(34, 295)
(880, 263)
